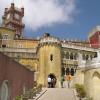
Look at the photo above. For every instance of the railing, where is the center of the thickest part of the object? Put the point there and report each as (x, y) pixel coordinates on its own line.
(70, 61)
(94, 63)
(78, 47)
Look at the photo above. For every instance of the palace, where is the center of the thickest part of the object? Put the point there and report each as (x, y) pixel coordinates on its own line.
(51, 56)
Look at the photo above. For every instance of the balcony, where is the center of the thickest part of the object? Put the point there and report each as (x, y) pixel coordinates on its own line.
(70, 61)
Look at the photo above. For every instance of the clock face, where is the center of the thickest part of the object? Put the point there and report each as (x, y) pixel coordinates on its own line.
(17, 16)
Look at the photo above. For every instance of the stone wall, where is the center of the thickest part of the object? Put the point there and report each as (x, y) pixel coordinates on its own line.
(17, 76)
(49, 66)
(92, 83)
(79, 77)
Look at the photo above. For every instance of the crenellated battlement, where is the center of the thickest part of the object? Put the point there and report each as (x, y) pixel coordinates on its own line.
(48, 39)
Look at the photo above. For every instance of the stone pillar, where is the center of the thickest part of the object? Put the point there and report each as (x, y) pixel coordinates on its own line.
(98, 55)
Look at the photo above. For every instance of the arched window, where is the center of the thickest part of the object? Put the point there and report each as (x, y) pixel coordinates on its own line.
(72, 71)
(75, 56)
(67, 71)
(87, 57)
(51, 57)
(91, 57)
(71, 56)
(95, 55)
(83, 56)
(67, 55)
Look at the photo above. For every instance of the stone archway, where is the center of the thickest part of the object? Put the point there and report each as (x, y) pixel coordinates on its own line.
(96, 86)
(53, 80)
(4, 91)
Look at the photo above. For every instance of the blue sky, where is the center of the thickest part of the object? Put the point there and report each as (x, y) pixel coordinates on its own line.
(85, 20)
(72, 19)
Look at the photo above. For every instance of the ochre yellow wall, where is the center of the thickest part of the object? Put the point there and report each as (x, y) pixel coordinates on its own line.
(30, 63)
(22, 43)
(10, 32)
(46, 66)
(11, 42)
(26, 43)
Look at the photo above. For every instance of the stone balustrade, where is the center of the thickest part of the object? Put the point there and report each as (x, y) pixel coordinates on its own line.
(65, 45)
(94, 63)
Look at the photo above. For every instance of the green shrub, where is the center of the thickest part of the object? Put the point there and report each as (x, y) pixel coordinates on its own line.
(80, 90)
(18, 98)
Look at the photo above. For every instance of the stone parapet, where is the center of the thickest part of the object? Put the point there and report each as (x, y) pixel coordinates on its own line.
(30, 50)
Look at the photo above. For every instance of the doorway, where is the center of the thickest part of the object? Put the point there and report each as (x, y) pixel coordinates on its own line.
(53, 80)
(4, 91)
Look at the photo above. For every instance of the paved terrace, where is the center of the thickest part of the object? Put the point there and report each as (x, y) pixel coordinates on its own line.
(58, 94)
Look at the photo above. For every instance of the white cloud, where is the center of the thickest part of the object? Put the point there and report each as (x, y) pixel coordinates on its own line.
(43, 13)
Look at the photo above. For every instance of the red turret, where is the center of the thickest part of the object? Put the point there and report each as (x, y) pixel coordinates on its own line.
(94, 37)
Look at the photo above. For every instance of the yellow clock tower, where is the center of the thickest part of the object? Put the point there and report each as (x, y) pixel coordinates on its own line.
(12, 19)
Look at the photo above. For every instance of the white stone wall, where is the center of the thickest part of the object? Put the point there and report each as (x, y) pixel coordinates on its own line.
(92, 77)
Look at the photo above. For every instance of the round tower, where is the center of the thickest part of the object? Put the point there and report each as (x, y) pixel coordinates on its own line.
(49, 53)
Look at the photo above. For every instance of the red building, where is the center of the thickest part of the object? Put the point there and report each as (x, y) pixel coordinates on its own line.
(95, 38)
(14, 78)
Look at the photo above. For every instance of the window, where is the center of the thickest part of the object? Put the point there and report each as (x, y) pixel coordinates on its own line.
(67, 55)
(5, 36)
(51, 57)
(83, 56)
(3, 45)
(71, 56)
(67, 71)
(20, 46)
(87, 57)
(72, 71)
(75, 56)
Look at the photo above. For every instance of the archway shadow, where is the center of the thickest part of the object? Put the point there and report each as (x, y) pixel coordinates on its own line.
(53, 78)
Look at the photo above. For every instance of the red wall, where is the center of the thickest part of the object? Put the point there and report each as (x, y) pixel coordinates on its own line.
(94, 40)
(16, 74)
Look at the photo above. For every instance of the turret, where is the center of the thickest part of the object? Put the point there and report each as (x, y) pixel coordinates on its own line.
(49, 51)
(94, 37)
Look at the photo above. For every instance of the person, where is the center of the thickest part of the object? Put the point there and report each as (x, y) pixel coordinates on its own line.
(52, 82)
(69, 78)
(62, 80)
(49, 81)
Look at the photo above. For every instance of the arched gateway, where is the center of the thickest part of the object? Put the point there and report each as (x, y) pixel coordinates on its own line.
(53, 80)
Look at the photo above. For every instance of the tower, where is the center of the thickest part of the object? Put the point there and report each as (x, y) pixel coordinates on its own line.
(49, 52)
(12, 19)
(94, 37)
